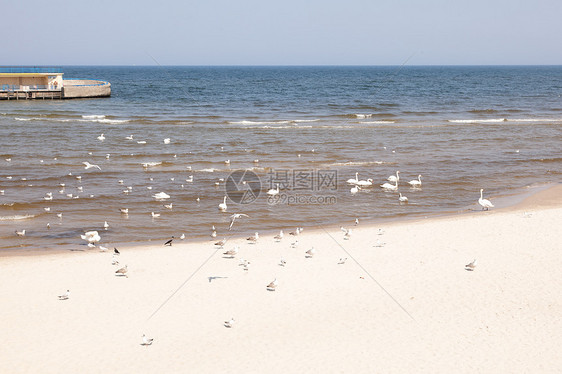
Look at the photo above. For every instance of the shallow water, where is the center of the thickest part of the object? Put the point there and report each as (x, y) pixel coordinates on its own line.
(311, 128)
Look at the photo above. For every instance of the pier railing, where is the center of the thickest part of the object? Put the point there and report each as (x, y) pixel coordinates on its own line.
(29, 69)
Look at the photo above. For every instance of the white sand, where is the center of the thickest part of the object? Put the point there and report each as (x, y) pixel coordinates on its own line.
(504, 317)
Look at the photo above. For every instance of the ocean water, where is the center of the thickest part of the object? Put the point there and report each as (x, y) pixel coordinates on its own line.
(311, 128)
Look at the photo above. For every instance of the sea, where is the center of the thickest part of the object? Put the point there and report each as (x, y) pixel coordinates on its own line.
(203, 134)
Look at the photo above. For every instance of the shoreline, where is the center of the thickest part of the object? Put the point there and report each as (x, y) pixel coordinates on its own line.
(548, 195)
(402, 302)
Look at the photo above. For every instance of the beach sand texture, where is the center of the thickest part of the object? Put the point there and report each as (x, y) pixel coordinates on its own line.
(424, 313)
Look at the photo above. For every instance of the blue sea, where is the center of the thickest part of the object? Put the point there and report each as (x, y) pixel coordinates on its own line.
(199, 134)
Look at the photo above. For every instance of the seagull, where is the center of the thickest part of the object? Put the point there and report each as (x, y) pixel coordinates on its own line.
(103, 249)
(221, 243)
(379, 244)
(101, 137)
(296, 232)
(130, 137)
(471, 266)
(310, 253)
(169, 242)
(124, 210)
(282, 262)
(65, 296)
(234, 216)
(20, 232)
(279, 236)
(105, 225)
(168, 206)
(402, 199)
(214, 234)
(254, 238)
(182, 237)
(231, 252)
(380, 232)
(295, 244)
(122, 271)
(227, 162)
(356, 221)
(145, 339)
(155, 215)
(342, 260)
(229, 323)
(89, 166)
(272, 285)
(167, 141)
(222, 206)
(485, 203)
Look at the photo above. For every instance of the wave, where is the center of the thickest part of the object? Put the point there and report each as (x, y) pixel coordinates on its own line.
(93, 116)
(363, 116)
(360, 163)
(245, 122)
(17, 217)
(499, 120)
(377, 122)
(105, 120)
(24, 119)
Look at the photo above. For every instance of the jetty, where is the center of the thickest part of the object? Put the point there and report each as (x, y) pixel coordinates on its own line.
(32, 83)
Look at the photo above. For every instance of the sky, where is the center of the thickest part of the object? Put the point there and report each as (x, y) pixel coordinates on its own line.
(289, 32)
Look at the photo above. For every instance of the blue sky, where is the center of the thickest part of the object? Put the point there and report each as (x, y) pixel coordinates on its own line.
(290, 32)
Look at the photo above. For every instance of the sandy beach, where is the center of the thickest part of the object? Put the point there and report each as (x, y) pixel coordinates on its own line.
(403, 302)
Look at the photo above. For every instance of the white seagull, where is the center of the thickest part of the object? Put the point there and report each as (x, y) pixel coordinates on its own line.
(254, 238)
(89, 166)
(471, 266)
(146, 340)
(20, 232)
(272, 285)
(65, 295)
(101, 137)
(310, 253)
(231, 252)
(222, 206)
(229, 323)
(91, 237)
(234, 217)
(274, 191)
(279, 236)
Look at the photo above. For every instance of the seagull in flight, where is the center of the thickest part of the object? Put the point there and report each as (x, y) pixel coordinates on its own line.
(89, 166)
(234, 217)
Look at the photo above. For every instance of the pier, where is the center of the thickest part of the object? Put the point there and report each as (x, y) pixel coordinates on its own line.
(43, 83)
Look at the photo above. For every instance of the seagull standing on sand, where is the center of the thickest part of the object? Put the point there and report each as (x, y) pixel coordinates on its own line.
(234, 217)
(122, 271)
(471, 266)
(89, 166)
(254, 238)
(486, 204)
(221, 243)
(65, 296)
(279, 236)
(282, 262)
(146, 340)
(310, 253)
(342, 260)
(229, 323)
(272, 285)
(231, 252)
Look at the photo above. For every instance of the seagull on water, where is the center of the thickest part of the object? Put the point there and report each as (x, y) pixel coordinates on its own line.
(146, 340)
(101, 137)
(234, 217)
(167, 141)
(402, 199)
(155, 215)
(229, 323)
(105, 225)
(89, 166)
(124, 210)
(471, 266)
(20, 232)
(416, 182)
(65, 295)
(91, 237)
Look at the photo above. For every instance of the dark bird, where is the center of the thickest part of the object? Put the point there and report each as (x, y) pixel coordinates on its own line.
(115, 251)
(169, 242)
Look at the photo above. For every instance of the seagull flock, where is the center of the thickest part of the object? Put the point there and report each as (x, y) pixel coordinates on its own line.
(93, 237)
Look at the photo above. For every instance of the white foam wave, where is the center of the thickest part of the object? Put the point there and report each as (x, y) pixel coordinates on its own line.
(306, 120)
(358, 163)
(16, 217)
(24, 119)
(377, 122)
(93, 116)
(209, 170)
(492, 120)
(362, 116)
(250, 123)
(149, 164)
